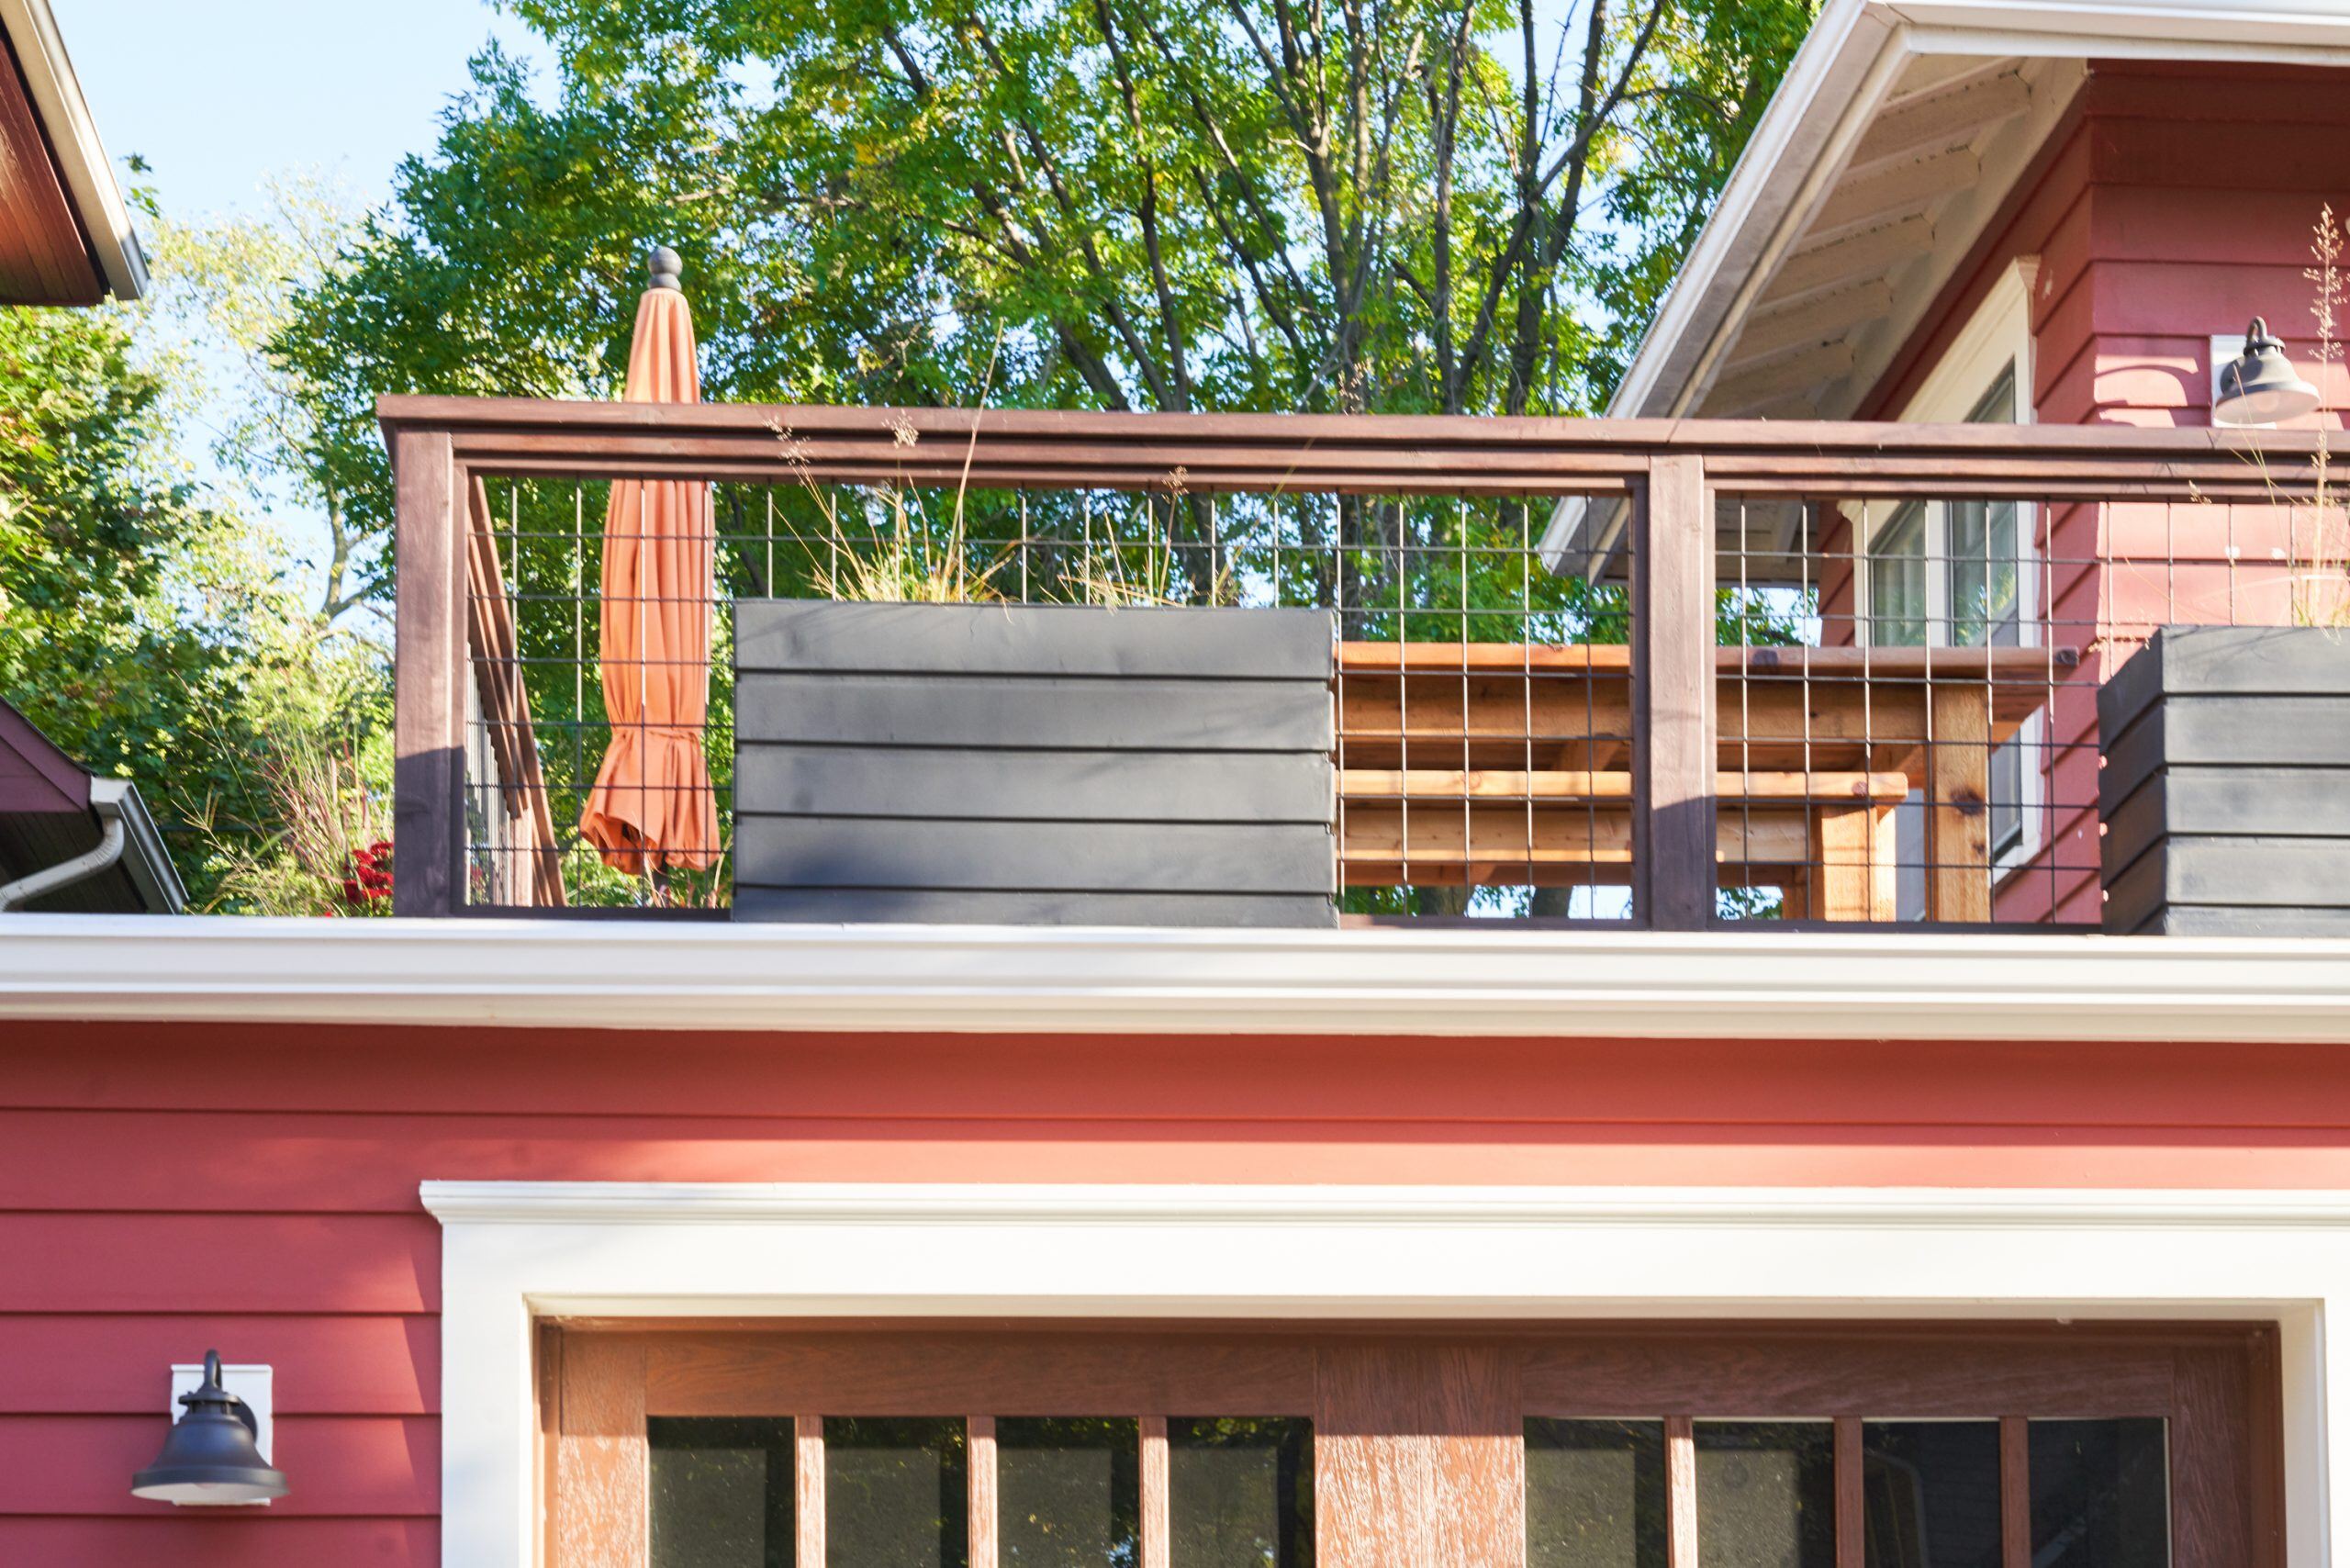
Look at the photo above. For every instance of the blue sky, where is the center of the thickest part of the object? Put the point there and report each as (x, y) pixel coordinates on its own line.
(219, 94)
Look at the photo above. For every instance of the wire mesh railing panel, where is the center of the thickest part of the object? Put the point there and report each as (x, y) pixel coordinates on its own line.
(1906, 716)
(1480, 703)
(1909, 712)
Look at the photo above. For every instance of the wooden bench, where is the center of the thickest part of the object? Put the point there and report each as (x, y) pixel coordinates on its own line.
(1815, 746)
(1827, 835)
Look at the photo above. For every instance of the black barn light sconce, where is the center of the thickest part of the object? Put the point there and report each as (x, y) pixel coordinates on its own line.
(213, 1454)
(2260, 385)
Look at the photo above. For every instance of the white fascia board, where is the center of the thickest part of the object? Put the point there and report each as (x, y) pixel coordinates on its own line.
(1778, 174)
(2294, 30)
(74, 135)
(1448, 981)
(1831, 87)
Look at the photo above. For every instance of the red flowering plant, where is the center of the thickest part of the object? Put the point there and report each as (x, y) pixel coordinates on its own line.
(370, 878)
(332, 853)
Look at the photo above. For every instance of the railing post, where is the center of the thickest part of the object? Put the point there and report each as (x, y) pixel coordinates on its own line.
(1673, 698)
(428, 666)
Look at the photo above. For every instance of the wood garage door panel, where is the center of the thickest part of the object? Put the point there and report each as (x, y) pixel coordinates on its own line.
(1763, 1375)
(919, 1374)
(1419, 1457)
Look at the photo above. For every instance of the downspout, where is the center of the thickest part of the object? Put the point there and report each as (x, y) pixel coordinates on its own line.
(65, 873)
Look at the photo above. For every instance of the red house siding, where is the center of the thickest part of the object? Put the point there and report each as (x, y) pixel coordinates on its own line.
(255, 1189)
(2172, 204)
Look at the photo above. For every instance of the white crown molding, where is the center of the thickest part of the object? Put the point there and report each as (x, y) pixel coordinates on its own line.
(1750, 984)
(926, 1202)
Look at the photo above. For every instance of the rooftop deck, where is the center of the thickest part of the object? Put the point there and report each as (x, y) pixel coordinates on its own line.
(1837, 674)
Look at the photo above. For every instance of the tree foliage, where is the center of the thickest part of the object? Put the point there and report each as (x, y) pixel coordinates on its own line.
(1454, 205)
(222, 292)
(154, 627)
(143, 631)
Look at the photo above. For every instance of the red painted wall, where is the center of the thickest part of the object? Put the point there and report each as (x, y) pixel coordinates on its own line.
(164, 1190)
(2174, 203)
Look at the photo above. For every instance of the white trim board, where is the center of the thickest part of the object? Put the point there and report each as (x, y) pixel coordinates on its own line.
(512, 1251)
(1745, 984)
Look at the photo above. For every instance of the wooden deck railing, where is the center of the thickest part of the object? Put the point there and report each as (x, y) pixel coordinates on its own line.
(1701, 745)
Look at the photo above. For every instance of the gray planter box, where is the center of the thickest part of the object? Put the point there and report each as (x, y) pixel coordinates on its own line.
(1033, 764)
(2226, 790)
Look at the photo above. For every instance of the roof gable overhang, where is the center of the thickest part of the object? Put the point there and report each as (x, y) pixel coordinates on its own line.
(65, 233)
(1900, 130)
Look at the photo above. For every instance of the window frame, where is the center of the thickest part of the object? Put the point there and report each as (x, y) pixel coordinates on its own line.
(1997, 342)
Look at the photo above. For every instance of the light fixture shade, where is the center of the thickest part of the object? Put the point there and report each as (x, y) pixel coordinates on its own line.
(2260, 385)
(211, 1455)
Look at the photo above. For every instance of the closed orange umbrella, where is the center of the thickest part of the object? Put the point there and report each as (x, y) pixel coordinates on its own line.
(652, 807)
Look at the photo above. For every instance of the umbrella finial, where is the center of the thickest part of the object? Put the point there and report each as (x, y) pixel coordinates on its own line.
(667, 268)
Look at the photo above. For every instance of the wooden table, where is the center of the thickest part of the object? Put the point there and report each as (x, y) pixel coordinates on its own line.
(1509, 765)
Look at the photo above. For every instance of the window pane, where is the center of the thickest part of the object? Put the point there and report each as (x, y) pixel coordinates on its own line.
(1240, 1492)
(895, 1493)
(2101, 1494)
(1069, 1491)
(1932, 1489)
(1983, 607)
(1766, 1495)
(1897, 580)
(2007, 796)
(1998, 405)
(721, 1493)
(1594, 1494)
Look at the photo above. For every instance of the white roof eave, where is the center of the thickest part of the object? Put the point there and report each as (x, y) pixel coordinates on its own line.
(1832, 90)
(82, 159)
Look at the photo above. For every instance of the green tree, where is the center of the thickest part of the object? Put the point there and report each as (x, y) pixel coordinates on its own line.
(153, 632)
(1459, 206)
(223, 292)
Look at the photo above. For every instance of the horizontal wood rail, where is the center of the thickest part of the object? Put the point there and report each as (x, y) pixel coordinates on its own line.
(1355, 453)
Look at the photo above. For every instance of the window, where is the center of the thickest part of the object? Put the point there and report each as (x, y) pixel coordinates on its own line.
(1591, 1446)
(1955, 574)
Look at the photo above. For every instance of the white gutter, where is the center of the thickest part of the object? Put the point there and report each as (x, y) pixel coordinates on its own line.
(1744, 985)
(124, 825)
(74, 136)
(65, 873)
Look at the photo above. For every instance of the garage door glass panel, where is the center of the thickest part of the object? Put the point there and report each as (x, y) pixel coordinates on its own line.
(1594, 1494)
(1240, 1492)
(1933, 1494)
(1766, 1495)
(896, 1493)
(1069, 1492)
(2101, 1493)
(720, 1492)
